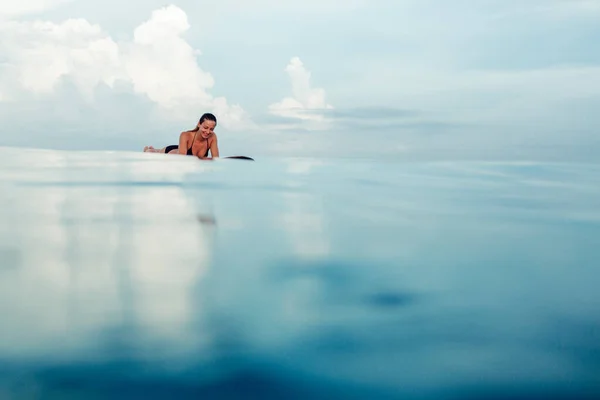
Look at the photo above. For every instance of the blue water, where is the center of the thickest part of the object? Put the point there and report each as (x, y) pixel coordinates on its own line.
(132, 275)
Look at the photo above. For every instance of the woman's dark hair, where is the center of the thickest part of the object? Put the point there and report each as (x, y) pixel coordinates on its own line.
(208, 116)
(204, 117)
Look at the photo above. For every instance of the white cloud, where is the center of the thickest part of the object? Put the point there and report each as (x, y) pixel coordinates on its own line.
(163, 66)
(305, 98)
(158, 63)
(442, 68)
(41, 53)
(12, 8)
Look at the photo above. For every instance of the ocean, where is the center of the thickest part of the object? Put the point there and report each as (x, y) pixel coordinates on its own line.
(138, 275)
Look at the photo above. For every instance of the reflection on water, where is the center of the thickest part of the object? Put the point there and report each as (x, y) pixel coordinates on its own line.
(148, 276)
(99, 264)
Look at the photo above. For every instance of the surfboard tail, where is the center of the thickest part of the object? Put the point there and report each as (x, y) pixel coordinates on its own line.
(240, 158)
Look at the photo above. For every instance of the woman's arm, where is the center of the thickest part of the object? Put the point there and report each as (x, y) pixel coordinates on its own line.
(214, 148)
(183, 143)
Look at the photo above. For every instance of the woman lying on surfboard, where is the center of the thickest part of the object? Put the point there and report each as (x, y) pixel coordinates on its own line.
(196, 142)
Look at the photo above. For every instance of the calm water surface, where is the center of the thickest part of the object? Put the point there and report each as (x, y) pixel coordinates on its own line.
(132, 275)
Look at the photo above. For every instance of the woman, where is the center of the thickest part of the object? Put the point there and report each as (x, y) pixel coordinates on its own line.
(191, 143)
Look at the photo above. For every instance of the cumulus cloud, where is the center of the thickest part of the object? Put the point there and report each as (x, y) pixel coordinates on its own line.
(305, 100)
(41, 53)
(10, 8)
(158, 63)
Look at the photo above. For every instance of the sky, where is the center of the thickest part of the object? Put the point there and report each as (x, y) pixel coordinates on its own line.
(401, 79)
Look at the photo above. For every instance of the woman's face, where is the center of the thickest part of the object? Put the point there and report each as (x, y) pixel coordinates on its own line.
(207, 128)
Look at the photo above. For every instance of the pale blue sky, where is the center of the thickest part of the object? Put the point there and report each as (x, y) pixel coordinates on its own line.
(404, 78)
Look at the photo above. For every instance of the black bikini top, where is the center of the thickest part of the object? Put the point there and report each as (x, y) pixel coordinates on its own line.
(189, 151)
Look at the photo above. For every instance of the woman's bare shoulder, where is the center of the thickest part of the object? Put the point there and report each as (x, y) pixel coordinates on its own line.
(187, 135)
